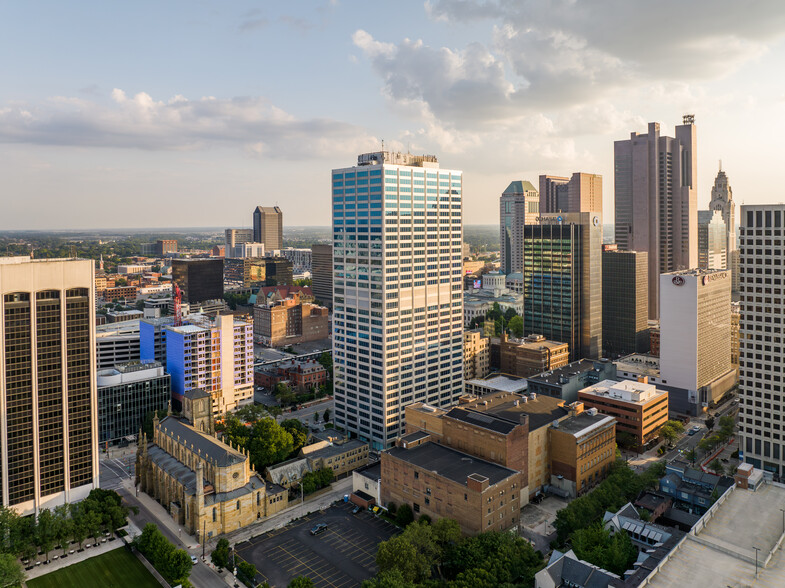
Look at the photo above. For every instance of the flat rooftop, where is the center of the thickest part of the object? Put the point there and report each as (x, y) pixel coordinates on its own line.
(584, 423)
(628, 391)
(487, 421)
(567, 371)
(639, 363)
(722, 554)
(501, 383)
(450, 464)
(541, 410)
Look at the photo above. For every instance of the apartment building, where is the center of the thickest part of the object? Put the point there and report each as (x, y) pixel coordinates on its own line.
(531, 355)
(476, 354)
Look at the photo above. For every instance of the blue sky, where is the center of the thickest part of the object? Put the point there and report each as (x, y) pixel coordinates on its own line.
(150, 114)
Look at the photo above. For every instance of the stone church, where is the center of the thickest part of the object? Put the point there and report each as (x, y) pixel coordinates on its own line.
(207, 486)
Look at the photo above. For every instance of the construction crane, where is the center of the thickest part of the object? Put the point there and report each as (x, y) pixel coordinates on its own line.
(178, 311)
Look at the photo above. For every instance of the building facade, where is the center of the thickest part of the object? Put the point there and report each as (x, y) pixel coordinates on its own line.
(476, 354)
(127, 393)
(268, 226)
(48, 421)
(655, 187)
(580, 193)
(531, 355)
(625, 301)
(397, 307)
(116, 343)
(519, 206)
(322, 273)
(722, 200)
(712, 240)
(562, 281)
(199, 279)
(289, 322)
(234, 237)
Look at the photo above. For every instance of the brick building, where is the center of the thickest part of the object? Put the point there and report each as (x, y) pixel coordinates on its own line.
(120, 293)
(532, 355)
(441, 482)
(476, 354)
(301, 375)
(289, 322)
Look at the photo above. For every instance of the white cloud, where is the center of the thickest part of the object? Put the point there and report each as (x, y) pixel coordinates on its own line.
(142, 122)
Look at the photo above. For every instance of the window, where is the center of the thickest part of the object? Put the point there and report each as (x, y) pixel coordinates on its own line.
(213, 514)
(238, 505)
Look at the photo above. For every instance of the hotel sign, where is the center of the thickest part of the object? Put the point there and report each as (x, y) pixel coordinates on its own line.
(678, 281)
(714, 277)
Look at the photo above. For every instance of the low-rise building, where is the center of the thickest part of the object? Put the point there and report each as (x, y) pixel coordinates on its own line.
(478, 301)
(341, 458)
(367, 484)
(116, 343)
(495, 383)
(300, 375)
(442, 482)
(289, 322)
(566, 381)
(476, 354)
(692, 489)
(531, 355)
(120, 293)
(119, 316)
(640, 408)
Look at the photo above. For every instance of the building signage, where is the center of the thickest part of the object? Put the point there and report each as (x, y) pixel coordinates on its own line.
(713, 277)
(678, 281)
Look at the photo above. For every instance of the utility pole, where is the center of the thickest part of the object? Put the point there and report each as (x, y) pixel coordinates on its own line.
(757, 549)
(204, 537)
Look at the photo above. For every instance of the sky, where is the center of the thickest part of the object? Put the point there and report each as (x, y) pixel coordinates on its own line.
(182, 113)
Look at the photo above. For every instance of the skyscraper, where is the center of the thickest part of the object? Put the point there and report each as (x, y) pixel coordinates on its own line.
(48, 428)
(625, 301)
(656, 200)
(562, 281)
(236, 237)
(761, 353)
(519, 206)
(322, 273)
(268, 227)
(722, 200)
(398, 306)
(580, 193)
(199, 279)
(712, 240)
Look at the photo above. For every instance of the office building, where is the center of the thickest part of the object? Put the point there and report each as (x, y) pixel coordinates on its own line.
(532, 355)
(206, 486)
(234, 237)
(695, 333)
(244, 271)
(562, 281)
(640, 409)
(127, 393)
(243, 250)
(289, 322)
(301, 258)
(565, 382)
(579, 193)
(278, 271)
(625, 301)
(165, 247)
(322, 273)
(268, 226)
(656, 200)
(761, 353)
(48, 422)
(712, 240)
(116, 343)
(199, 279)
(397, 307)
(476, 354)
(519, 206)
(735, 316)
(215, 355)
(722, 200)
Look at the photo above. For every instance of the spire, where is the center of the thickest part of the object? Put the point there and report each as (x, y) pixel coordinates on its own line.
(169, 408)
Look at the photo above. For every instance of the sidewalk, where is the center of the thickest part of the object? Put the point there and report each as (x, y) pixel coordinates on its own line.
(72, 558)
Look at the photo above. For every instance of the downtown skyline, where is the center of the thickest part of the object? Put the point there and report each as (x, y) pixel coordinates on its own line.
(139, 108)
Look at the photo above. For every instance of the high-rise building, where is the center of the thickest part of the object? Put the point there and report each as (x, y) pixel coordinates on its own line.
(519, 206)
(656, 200)
(268, 227)
(397, 306)
(322, 273)
(165, 246)
(761, 352)
(562, 281)
(625, 301)
(580, 193)
(695, 333)
(48, 421)
(722, 200)
(712, 240)
(199, 279)
(236, 237)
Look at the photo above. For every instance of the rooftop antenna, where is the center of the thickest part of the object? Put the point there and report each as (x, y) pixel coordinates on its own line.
(382, 144)
(720, 165)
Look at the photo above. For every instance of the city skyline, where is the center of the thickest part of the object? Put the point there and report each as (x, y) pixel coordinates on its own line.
(102, 104)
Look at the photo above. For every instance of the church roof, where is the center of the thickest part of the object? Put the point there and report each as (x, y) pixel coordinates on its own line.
(196, 393)
(206, 446)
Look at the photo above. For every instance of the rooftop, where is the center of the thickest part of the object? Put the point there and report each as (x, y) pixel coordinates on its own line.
(584, 423)
(639, 363)
(486, 421)
(501, 383)
(519, 187)
(450, 464)
(337, 449)
(372, 472)
(568, 371)
(208, 447)
(625, 391)
(541, 410)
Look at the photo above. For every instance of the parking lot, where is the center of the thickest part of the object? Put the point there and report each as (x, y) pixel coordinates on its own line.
(342, 556)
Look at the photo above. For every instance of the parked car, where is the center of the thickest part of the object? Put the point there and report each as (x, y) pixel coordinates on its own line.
(194, 560)
(356, 509)
(320, 528)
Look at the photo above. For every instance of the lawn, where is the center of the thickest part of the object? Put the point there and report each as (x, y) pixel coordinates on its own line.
(115, 569)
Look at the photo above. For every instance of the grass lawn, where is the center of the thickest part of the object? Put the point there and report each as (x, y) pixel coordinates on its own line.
(115, 569)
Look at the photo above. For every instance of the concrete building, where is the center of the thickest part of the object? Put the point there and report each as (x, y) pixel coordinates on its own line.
(367, 484)
(476, 354)
(695, 333)
(322, 273)
(301, 258)
(397, 307)
(579, 193)
(165, 246)
(519, 206)
(243, 250)
(722, 200)
(342, 458)
(441, 482)
(127, 393)
(712, 240)
(625, 301)
(639, 408)
(735, 319)
(761, 353)
(48, 421)
(562, 281)
(477, 302)
(122, 316)
(206, 486)
(199, 279)
(116, 343)
(236, 237)
(496, 383)
(289, 322)
(152, 338)
(268, 226)
(127, 293)
(133, 268)
(655, 188)
(565, 382)
(531, 355)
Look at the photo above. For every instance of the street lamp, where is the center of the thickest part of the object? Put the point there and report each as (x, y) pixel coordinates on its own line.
(757, 549)
(782, 510)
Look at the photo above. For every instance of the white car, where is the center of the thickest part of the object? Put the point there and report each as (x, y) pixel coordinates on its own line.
(194, 560)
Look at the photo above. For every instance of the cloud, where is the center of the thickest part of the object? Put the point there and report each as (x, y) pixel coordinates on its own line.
(178, 124)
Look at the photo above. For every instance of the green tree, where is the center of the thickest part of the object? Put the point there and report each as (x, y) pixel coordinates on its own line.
(326, 416)
(300, 582)
(298, 431)
(11, 573)
(247, 573)
(516, 326)
(46, 531)
(404, 516)
(220, 555)
(401, 554)
(691, 455)
(709, 422)
(615, 553)
(389, 579)
(267, 442)
(717, 467)
(509, 314)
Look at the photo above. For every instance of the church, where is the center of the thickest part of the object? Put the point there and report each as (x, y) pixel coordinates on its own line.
(207, 486)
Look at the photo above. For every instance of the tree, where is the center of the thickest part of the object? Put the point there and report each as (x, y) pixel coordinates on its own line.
(401, 554)
(691, 455)
(300, 582)
(46, 531)
(315, 417)
(404, 516)
(671, 430)
(220, 555)
(267, 442)
(298, 431)
(516, 326)
(717, 467)
(389, 579)
(509, 314)
(710, 422)
(248, 572)
(326, 359)
(326, 416)
(11, 573)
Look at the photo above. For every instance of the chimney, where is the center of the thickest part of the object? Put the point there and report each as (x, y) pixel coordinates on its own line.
(643, 379)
